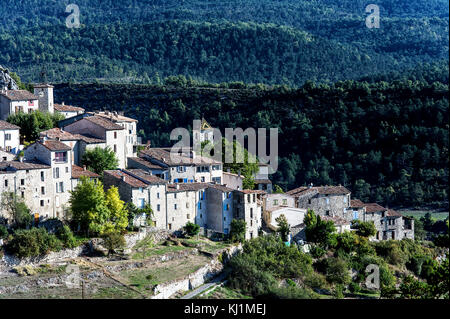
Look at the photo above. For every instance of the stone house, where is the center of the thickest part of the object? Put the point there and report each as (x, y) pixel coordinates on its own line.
(68, 110)
(140, 188)
(45, 93)
(248, 206)
(262, 181)
(58, 156)
(219, 208)
(179, 167)
(9, 137)
(100, 128)
(324, 200)
(15, 101)
(32, 181)
(275, 201)
(232, 180)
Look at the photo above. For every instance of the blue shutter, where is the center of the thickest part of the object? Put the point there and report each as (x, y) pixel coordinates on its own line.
(185, 180)
(355, 215)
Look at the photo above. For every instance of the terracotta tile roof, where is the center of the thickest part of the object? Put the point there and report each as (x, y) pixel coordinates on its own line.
(8, 126)
(102, 122)
(357, 203)
(183, 187)
(374, 207)
(88, 139)
(56, 132)
(53, 145)
(172, 159)
(114, 117)
(252, 191)
(392, 212)
(144, 162)
(19, 95)
(149, 178)
(23, 165)
(336, 220)
(68, 108)
(125, 178)
(324, 190)
(222, 188)
(78, 172)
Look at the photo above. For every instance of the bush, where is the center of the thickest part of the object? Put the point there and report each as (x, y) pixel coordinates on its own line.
(113, 241)
(317, 251)
(33, 242)
(337, 271)
(237, 230)
(66, 236)
(191, 229)
(354, 287)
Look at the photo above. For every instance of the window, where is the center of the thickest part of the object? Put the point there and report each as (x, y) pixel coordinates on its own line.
(249, 198)
(141, 190)
(284, 201)
(8, 148)
(203, 179)
(115, 148)
(158, 207)
(251, 222)
(22, 181)
(42, 190)
(309, 201)
(224, 219)
(56, 172)
(8, 137)
(6, 183)
(251, 213)
(188, 216)
(327, 213)
(42, 177)
(141, 203)
(42, 203)
(175, 206)
(22, 194)
(227, 207)
(187, 205)
(115, 134)
(170, 226)
(328, 201)
(275, 202)
(201, 215)
(67, 169)
(175, 195)
(60, 157)
(254, 198)
(157, 195)
(199, 205)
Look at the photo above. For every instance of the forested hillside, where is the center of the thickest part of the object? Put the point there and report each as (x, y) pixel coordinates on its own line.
(254, 41)
(386, 141)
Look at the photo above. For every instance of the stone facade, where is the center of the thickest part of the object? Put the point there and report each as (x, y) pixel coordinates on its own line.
(248, 206)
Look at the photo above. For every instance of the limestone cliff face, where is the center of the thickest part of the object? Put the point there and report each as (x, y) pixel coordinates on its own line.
(6, 80)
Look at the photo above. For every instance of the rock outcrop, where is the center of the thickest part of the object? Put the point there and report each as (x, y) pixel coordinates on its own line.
(6, 80)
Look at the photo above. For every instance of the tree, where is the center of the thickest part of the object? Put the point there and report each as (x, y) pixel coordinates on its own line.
(365, 229)
(191, 229)
(283, 227)
(237, 230)
(277, 190)
(99, 160)
(318, 230)
(113, 241)
(18, 210)
(97, 212)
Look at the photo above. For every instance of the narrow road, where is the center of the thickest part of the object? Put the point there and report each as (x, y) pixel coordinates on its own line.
(216, 281)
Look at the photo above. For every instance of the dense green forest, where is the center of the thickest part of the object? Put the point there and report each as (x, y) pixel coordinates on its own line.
(254, 41)
(386, 141)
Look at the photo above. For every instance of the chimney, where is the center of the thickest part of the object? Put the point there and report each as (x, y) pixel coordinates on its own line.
(63, 103)
(123, 178)
(193, 154)
(177, 186)
(21, 159)
(310, 185)
(84, 167)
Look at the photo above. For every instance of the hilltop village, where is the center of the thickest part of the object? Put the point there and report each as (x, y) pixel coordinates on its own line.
(179, 190)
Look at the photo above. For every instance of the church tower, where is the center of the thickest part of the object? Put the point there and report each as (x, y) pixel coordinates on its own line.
(45, 94)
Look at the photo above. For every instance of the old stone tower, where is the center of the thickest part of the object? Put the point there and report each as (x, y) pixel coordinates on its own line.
(45, 94)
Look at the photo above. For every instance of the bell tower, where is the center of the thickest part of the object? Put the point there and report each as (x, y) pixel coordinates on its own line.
(45, 93)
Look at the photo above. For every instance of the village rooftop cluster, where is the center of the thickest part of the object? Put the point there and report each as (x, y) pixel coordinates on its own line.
(183, 191)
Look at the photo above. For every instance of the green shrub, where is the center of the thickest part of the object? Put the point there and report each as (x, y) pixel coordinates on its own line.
(317, 252)
(66, 236)
(415, 264)
(315, 280)
(33, 242)
(113, 241)
(337, 271)
(191, 229)
(354, 287)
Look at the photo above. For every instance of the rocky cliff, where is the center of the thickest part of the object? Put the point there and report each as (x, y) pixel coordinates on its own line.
(6, 80)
